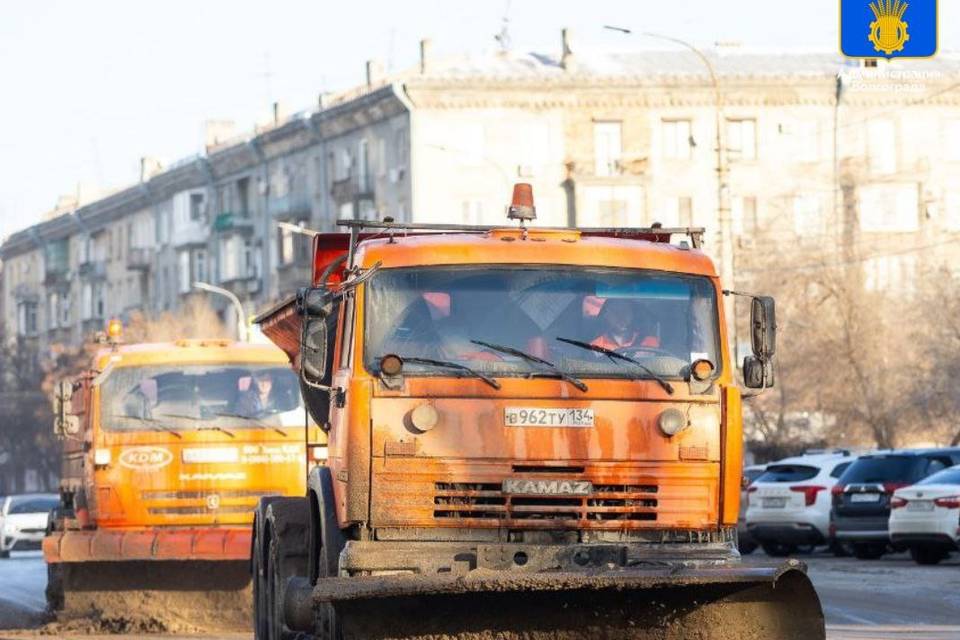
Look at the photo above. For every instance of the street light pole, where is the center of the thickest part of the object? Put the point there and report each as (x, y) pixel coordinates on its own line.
(725, 246)
(241, 320)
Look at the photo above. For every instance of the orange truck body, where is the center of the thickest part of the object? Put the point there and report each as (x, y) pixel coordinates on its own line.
(164, 493)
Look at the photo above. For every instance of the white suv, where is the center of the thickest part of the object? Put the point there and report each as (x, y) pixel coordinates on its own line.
(789, 505)
(926, 516)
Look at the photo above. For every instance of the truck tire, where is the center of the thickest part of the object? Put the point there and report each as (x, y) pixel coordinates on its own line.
(286, 530)
(258, 557)
(325, 544)
(778, 549)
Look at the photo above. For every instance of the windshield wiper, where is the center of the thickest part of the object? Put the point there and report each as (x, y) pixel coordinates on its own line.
(560, 373)
(198, 418)
(453, 365)
(613, 355)
(259, 422)
(154, 425)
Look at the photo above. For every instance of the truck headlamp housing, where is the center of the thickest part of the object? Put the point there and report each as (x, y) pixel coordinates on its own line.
(672, 422)
(101, 457)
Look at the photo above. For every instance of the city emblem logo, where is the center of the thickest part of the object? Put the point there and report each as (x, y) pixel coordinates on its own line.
(888, 32)
(888, 28)
(145, 458)
(213, 501)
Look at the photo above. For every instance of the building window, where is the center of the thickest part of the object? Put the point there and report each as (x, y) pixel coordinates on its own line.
(243, 197)
(887, 207)
(807, 215)
(53, 305)
(344, 164)
(183, 272)
(884, 273)
(64, 310)
(225, 198)
(200, 265)
(198, 207)
(471, 211)
(742, 139)
(607, 148)
(381, 157)
(363, 166)
(401, 143)
(86, 301)
(286, 249)
(882, 146)
(952, 140)
(744, 214)
(677, 212)
(677, 141)
(27, 319)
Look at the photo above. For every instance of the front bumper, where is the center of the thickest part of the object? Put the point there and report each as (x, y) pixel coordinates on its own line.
(20, 540)
(109, 545)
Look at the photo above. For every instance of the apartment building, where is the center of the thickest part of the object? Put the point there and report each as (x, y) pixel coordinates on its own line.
(814, 151)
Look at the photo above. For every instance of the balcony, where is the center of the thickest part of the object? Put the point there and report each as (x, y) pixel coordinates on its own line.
(140, 258)
(93, 270)
(56, 274)
(229, 221)
(26, 292)
(351, 189)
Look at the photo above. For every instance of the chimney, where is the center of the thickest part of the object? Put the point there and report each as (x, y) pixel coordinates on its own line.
(374, 72)
(566, 59)
(276, 113)
(425, 46)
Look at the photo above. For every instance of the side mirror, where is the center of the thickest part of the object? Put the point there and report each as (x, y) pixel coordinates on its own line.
(313, 350)
(763, 328)
(64, 423)
(757, 373)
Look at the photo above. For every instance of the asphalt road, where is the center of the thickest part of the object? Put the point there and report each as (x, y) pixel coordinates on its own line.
(883, 599)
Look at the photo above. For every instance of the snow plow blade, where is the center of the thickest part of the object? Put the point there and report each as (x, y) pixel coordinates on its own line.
(152, 595)
(724, 602)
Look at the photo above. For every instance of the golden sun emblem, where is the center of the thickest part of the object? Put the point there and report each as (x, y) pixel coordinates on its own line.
(888, 32)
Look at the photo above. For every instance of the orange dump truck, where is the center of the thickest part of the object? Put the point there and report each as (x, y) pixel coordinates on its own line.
(533, 433)
(166, 450)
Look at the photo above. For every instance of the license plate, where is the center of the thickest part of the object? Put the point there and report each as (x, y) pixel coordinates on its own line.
(773, 503)
(864, 497)
(920, 505)
(522, 486)
(536, 417)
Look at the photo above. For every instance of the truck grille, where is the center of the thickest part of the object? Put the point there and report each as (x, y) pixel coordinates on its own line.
(486, 501)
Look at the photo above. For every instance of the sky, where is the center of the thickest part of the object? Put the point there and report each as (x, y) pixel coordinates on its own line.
(89, 87)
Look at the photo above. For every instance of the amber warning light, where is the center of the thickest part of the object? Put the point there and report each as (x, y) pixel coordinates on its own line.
(114, 330)
(521, 206)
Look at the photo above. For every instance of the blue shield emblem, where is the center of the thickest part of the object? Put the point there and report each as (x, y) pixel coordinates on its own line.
(888, 28)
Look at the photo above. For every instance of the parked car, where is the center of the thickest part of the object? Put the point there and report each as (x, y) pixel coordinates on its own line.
(746, 543)
(789, 504)
(860, 513)
(925, 517)
(23, 521)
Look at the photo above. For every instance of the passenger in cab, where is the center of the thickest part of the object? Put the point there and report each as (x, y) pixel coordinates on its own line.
(622, 329)
(257, 399)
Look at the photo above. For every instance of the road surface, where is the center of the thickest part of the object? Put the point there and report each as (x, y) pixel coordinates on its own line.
(888, 599)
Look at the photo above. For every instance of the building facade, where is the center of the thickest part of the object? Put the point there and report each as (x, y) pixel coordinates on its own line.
(814, 151)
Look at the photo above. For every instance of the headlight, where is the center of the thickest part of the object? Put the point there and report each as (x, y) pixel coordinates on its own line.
(424, 417)
(319, 453)
(211, 455)
(672, 422)
(101, 457)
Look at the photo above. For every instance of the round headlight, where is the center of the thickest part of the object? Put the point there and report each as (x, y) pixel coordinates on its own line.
(391, 365)
(424, 417)
(672, 422)
(701, 369)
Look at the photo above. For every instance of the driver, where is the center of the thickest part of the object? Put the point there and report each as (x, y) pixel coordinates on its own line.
(619, 328)
(257, 399)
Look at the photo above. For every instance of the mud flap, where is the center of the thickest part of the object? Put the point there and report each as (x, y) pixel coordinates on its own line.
(718, 603)
(173, 596)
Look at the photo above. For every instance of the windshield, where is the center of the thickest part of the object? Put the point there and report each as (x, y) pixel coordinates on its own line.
(878, 469)
(663, 321)
(788, 473)
(185, 397)
(32, 505)
(947, 476)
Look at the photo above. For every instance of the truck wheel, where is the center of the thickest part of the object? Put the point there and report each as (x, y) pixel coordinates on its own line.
(326, 543)
(258, 555)
(747, 547)
(54, 589)
(868, 550)
(839, 549)
(777, 549)
(927, 555)
(287, 527)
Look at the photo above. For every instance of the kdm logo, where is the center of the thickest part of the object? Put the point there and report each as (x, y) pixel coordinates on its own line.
(145, 458)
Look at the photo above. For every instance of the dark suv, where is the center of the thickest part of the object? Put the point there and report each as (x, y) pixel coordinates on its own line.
(861, 498)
